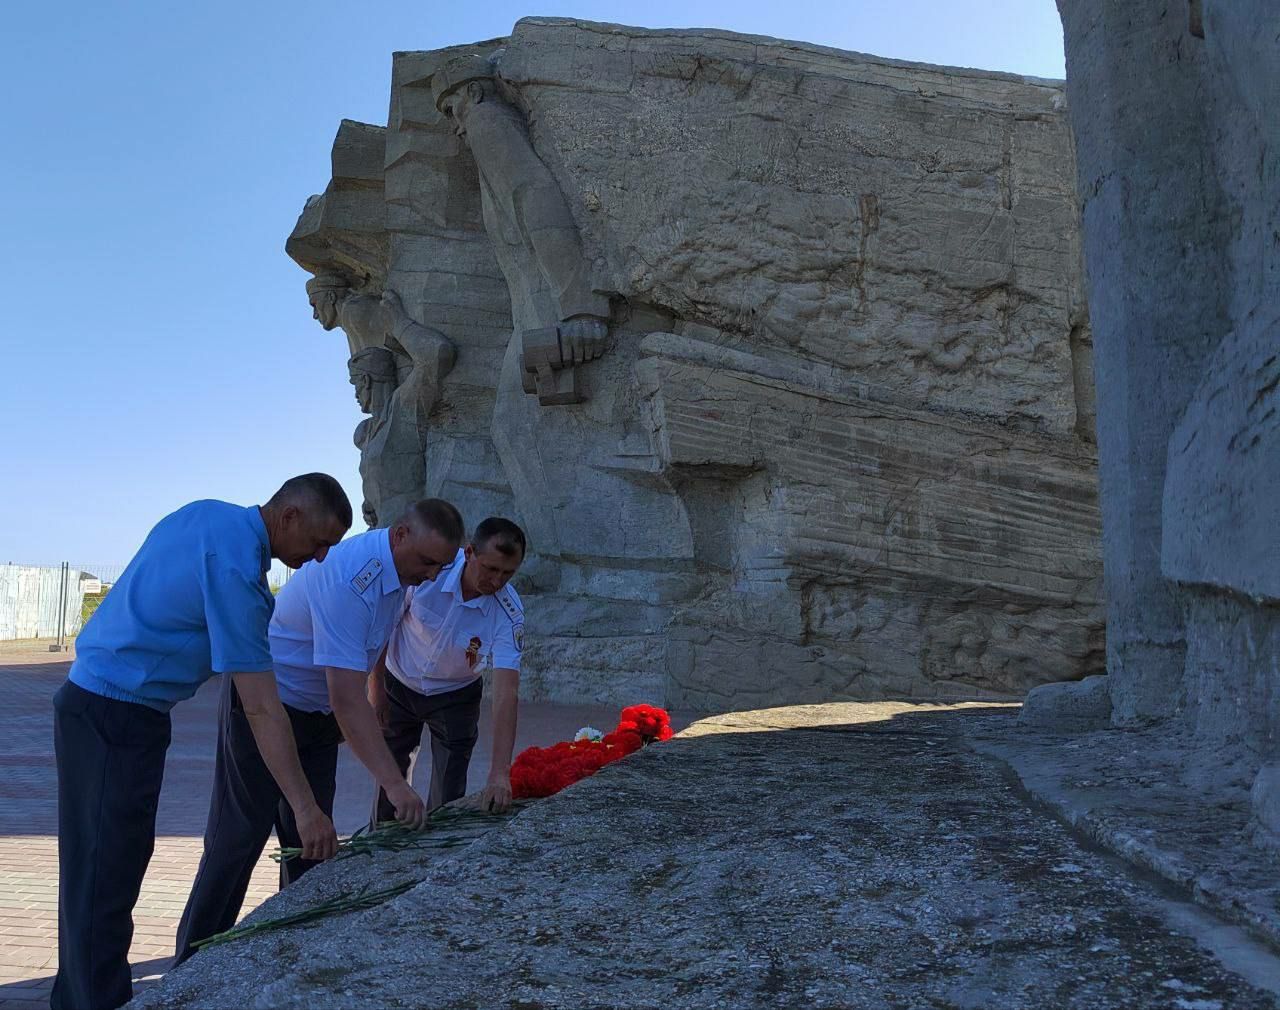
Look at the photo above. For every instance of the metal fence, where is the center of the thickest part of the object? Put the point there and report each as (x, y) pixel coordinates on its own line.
(51, 601)
(54, 601)
(40, 602)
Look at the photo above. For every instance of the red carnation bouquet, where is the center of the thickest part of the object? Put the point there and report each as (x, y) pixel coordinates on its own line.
(541, 771)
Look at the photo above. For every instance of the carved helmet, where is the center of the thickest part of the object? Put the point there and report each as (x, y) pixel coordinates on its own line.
(328, 282)
(459, 71)
(376, 362)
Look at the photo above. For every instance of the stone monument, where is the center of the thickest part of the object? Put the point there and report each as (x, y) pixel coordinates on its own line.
(1180, 195)
(779, 354)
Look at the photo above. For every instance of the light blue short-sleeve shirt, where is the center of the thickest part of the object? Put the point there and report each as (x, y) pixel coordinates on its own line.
(334, 614)
(443, 642)
(193, 602)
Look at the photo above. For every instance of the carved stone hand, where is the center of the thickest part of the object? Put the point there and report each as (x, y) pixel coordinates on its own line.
(391, 302)
(583, 338)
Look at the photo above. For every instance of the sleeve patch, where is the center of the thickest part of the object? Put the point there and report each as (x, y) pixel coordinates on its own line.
(367, 575)
(517, 633)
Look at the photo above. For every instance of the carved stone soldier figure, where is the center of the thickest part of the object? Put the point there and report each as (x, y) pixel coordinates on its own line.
(373, 373)
(533, 231)
(396, 366)
(363, 318)
(572, 470)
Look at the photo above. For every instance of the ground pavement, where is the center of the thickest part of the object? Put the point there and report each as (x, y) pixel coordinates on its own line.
(29, 676)
(822, 857)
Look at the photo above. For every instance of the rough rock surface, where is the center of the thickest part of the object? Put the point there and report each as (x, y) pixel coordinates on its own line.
(1179, 169)
(1075, 705)
(1221, 506)
(839, 442)
(1162, 801)
(829, 856)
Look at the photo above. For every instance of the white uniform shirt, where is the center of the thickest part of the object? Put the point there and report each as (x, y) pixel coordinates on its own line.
(337, 612)
(443, 642)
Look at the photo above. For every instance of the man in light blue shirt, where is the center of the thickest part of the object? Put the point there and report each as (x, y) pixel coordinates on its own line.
(330, 625)
(192, 603)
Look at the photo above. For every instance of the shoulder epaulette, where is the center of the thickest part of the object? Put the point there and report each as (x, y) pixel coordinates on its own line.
(364, 578)
(509, 606)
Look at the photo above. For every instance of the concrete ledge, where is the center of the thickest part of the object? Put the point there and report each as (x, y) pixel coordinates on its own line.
(1073, 705)
(1162, 804)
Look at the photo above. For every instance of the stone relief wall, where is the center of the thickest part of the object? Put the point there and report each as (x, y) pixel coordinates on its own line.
(1180, 192)
(778, 353)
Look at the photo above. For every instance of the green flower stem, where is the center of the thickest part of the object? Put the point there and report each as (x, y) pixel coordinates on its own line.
(395, 836)
(446, 828)
(346, 903)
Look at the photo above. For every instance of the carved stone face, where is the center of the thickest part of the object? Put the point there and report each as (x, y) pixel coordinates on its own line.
(324, 308)
(458, 105)
(364, 390)
(450, 107)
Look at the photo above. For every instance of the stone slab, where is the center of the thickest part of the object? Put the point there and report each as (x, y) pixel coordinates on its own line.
(833, 857)
(1161, 801)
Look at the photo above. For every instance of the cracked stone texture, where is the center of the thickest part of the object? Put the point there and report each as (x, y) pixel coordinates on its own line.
(1178, 168)
(829, 857)
(840, 443)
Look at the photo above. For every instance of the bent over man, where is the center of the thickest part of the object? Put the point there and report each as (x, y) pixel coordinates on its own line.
(193, 602)
(451, 632)
(331, 623)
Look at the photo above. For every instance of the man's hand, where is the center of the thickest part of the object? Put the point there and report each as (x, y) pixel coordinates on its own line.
(260, 702)
(495, 798)
(410, 809)
(347, 695)
(319, 840)
(582, 339)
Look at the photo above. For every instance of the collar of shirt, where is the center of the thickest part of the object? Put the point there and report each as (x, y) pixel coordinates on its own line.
(390, 577)
(451, 583)
(254, 515)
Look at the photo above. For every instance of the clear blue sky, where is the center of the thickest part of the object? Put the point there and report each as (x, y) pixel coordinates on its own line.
(157, 342)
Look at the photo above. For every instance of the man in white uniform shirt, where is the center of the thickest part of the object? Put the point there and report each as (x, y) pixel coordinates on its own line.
(454, 630)
(330, 625)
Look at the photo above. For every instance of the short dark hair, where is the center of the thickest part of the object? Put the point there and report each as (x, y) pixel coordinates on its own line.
(502, 535)
(435, 515)
(315, 489)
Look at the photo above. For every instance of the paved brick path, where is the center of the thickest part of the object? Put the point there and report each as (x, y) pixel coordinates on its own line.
(29, 676)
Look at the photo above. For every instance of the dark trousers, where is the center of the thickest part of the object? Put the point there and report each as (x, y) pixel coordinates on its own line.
(453, 718)
(110, 765)
(245, 805)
